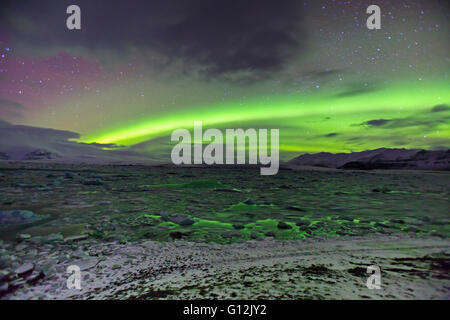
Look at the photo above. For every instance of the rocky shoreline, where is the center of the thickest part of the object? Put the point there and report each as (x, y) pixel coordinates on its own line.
(140, 232)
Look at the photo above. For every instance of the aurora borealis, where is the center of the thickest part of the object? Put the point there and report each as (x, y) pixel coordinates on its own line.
(140, 69)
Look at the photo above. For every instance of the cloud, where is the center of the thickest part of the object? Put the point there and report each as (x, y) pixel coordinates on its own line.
(414, 141)
(440, 108)
(216, 37)
(18, 140)
(11, 109)
(330, 135)
(425, 119)
(376, 123)
(4, 123)
(5, 103)
(406, 122)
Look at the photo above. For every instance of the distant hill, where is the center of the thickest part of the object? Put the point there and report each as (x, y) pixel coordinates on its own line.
(378, 159)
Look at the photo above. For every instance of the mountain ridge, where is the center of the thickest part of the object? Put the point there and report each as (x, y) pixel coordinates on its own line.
(382, 158)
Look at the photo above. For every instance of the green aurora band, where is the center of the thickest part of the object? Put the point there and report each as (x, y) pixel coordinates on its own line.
(319, 121)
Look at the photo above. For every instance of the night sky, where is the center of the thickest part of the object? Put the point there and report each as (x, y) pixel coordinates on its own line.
(140, 69)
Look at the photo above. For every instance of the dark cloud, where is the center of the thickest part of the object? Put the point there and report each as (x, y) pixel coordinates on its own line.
(215, 37)
(5, 103)
(8, 131)
(3, 123)
(11, 109)
(426, 119)
(440, 108)
(376, 123)
(330, 135)
(395, 141)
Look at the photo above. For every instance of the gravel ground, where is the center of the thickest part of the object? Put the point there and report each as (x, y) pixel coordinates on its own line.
(411, 268)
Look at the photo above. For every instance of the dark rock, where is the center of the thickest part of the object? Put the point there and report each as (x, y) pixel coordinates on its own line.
(4, 289)
(24, 269)
(176, 235)
(231, 234)
(238, 226)
(92, 182)
(5, 275)
(295, 208)
(17, 283)
(181, 220)
(317, 270)
(314, 227)
(302, 224)
(412, 229)
(69, 175)
(380, 225)
(283, 225)
(436, 234)
(286, 187)
(18, 217)
(358, 272)
(35, 277)
(123, 240)
(254, 235)
(227, 190)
